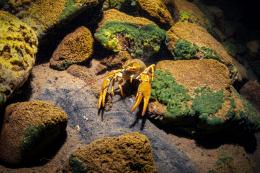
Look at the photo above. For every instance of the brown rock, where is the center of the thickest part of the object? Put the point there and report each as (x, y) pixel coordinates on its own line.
(199, 36)
(251, 91)
(76, 47)
(127, 153)
(28, 129)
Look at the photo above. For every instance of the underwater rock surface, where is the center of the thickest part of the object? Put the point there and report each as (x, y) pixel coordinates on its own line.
(126, 153)
(189, 12)
(191, 41)
(29, 128)
(121, 32)
(198, 94)
(76, 47)
(18, 47)
(34, 12)
(79, 100)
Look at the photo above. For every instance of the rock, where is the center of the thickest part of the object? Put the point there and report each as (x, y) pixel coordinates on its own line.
(35, 14)
(76, 47)
(190, 41)
(127, 6)
(251, 91)
(79, 100)
(126, 153)
(120, 32)
(156, 10)
(253, 47)
(256, 67)
(18, 46)
(29, 128)
(116, 60)
(189, 12)
(201, 92)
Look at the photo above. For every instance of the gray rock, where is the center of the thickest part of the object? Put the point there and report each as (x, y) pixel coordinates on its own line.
(80, 102)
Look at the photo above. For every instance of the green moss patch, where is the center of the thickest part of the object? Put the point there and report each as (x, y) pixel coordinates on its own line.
(70, 8)
(184, 49)
(170, 93)
(206, 103)
(184, 16)
(138, 40)
(76, 165)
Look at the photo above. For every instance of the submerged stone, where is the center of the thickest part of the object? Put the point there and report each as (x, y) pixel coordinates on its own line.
(18, 47)
(76, 47)
(127, 153)
(121, 32)
(199, 94)
(29, 128)
(191, 41)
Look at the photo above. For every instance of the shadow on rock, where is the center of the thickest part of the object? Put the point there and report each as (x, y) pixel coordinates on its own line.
(43, 156)
(212, 140)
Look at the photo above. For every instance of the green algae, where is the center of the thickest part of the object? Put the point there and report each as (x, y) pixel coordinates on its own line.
(138, 40)
(206, 103)
(184, 49)
(76, 165)
(170, 93)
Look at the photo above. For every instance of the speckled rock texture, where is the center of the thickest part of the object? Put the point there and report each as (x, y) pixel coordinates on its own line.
(198, 94)
(18, 46)
(126, 153)
(76, 47)
(191, 41)
(156, 10)
(189, 12)
(43, 15)
(29, 128)
(120, 32)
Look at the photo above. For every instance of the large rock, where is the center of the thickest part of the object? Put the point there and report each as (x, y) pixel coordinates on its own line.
(79, 99)
(156, 10)
(43, 15)
(191, 41)
(76, 47)
(120, 32)
(251, 91)
(29, 128)
(198, 94)
(126, 153)
(186, 11)
(18, 46)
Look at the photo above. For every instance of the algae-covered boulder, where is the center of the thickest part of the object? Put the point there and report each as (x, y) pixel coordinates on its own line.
(199, 95)
(156, 10)
(42, 15)
(18, 46)
(120, 32)
(191, 41)
(29, 128)
(127, 153)
(76, 47)
(186, 11)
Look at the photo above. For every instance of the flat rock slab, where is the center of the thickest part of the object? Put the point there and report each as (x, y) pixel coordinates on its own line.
(79, 100)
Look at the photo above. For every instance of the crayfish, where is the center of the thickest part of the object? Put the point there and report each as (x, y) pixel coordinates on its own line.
(133, 69)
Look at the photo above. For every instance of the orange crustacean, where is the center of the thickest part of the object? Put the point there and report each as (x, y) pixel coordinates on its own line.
(133, 69)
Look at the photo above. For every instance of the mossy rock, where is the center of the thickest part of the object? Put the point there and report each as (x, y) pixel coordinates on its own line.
(29, 129)
(18, 47)
(187, 11)
(76, 47)
(126, 153)
(191, 41)
(199, 94)
(156, 10)
(121, 32)
(42, 15)
(127, 6)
